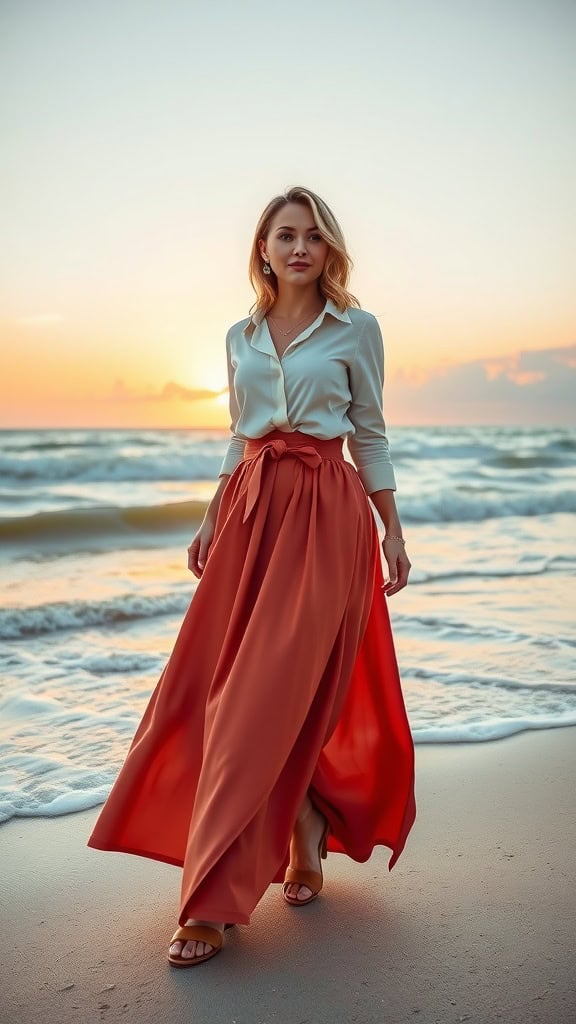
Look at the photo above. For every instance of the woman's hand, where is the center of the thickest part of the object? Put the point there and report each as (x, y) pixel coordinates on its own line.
(398, 565)
(198, 550)
(393, 543)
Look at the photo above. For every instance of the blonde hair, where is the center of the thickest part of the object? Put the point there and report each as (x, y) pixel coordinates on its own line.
(334, 279)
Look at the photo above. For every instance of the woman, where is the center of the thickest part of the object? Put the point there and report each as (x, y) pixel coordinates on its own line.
(277, 730)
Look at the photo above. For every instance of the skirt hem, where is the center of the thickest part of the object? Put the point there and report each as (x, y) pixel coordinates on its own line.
(179, 862)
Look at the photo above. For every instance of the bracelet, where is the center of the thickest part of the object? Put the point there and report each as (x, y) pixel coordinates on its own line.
(390, 536)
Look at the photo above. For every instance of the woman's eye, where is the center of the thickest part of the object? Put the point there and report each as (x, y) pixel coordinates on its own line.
(286, 235)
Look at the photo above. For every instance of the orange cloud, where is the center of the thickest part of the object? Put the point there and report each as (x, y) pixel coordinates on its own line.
(536, 386)
(170, 392)
(510, 367)
(528, 377)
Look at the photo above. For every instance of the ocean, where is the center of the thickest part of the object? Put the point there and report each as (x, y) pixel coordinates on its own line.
(94, 526)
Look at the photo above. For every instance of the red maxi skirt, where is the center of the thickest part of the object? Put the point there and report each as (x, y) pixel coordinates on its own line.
(283, 680)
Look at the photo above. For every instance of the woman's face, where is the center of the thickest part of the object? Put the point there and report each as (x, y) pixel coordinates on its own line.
(294, 248)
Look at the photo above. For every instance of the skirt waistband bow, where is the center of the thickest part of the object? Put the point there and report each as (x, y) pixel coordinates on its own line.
(271, 446)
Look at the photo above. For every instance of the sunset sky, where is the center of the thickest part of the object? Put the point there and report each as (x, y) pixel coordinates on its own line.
(140, 140)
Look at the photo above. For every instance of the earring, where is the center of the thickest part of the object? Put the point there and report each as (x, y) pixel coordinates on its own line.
(267, 268)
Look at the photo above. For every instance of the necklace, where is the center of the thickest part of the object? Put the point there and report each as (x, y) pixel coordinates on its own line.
(286, 333)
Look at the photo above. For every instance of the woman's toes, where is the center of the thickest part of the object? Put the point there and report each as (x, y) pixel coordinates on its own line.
(188, 950)
(298, 892)
(193, 949)
(304, 892)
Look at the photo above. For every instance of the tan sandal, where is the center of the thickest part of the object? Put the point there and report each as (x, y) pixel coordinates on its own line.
(196, 933)
(313, 880)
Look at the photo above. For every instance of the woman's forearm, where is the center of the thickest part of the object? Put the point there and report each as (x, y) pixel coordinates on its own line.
(214, 505)
(386, 507)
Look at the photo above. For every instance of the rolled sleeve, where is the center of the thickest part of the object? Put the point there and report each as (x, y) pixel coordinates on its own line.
(235, 451)
(368, 446)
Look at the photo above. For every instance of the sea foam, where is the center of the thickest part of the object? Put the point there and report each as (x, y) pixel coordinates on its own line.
(18, 623)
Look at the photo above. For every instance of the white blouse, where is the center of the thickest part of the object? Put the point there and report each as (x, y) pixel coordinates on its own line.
(328, 383)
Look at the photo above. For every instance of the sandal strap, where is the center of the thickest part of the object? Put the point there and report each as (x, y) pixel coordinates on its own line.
(198, 933)
(311, 879)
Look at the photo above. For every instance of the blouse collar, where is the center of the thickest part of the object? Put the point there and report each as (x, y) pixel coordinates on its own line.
(330, 307)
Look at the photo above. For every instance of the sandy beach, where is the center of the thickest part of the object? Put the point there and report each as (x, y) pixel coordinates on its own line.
(475, 923)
